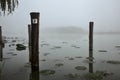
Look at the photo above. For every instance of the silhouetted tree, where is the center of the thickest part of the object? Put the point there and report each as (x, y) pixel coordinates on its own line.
(8, 6)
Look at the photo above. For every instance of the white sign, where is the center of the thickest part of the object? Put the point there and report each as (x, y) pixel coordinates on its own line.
(34, 21)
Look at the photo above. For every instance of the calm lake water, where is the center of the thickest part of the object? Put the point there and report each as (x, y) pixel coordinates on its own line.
(62, 53)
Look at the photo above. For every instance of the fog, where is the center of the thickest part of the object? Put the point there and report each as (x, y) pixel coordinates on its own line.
(64, 13)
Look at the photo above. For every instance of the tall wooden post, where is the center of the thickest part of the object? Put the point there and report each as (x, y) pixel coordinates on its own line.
(91, 46)
(29, 37)
(35, 40)
(34, 75)
(1, 44)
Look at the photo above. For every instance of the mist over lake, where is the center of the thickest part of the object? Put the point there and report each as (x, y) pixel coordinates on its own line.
(64, 40)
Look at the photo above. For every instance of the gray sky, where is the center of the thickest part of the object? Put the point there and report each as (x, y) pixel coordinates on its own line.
(58, 13)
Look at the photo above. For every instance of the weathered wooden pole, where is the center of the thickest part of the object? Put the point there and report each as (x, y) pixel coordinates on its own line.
(35, 40)
(29, 37)
(91, 46)
(1, 44)
(35, 75)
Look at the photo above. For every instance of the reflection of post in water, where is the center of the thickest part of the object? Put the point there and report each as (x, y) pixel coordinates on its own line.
(34, 75)
(1, 45)
(91, 47)
(91, 66)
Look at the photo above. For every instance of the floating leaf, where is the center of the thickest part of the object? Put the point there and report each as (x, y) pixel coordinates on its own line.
(113, 62)
(59, 64)
(80, 68)
(47, 72)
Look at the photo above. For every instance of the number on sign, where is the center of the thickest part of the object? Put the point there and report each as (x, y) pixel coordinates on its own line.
(34, 21)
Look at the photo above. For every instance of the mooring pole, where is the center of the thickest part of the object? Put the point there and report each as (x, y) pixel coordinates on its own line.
(1, 44)
(35, 75)
(35, 40)
(91, 46)
(29, 37)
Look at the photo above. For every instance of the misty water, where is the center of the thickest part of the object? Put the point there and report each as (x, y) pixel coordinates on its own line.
(62, 53)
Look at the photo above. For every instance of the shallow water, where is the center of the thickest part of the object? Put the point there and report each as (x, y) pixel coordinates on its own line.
(63, 49)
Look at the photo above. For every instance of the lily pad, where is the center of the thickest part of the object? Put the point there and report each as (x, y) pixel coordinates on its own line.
(75, 46)
(56, 47)
(117, 46)
(47, 72)
(98, 75)
(45, 54)
(59, 64)
(102, 50)
(70, 58)
(43, 60)
(14, 54)
(113, 62)
(80, 68)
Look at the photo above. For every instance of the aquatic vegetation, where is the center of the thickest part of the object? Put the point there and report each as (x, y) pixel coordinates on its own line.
(78, 57)
(57, 60)
(47, 72)
(10, 53)
(5, 41)
(64, 42)
(113, 62)
(70, 58)
(56, 47)
(102, 50)
(72, 75)
(75, 46)
(90, 58)
(59, 64)
(45, 54)
(80, 68)
(14, 54)
(20, 47)
(14, 41)
(98, 75)
(43, 60)
(117, 46)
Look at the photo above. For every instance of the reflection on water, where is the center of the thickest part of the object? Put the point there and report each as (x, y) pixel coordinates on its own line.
(34, 75)
(16, 67)
(91, 66)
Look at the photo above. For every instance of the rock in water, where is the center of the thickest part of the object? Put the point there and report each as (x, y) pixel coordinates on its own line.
(20, 47)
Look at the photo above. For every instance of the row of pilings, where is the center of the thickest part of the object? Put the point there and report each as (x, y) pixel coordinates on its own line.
(33, 34)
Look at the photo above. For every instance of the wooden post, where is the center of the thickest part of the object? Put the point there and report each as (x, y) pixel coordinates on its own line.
(1, 44)
(91, 46)
(29, 35)
(34, 75)
(35, 40)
